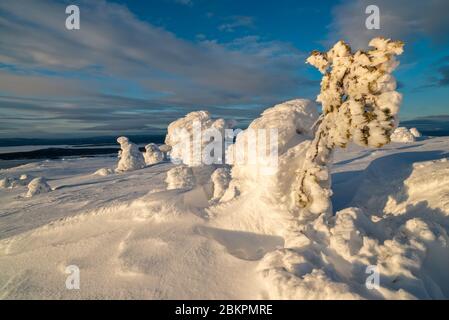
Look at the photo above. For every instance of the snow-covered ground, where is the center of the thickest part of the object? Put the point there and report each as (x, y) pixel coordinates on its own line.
(133, 238)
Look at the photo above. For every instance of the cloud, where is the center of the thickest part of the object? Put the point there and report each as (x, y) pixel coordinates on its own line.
(236, 22)
(399, 19)
(70, 74)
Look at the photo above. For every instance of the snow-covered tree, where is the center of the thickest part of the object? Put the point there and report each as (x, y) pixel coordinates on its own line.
(130, 157)
(38, 186)
(153, 154)
(402, 135)
(188, 138)
(359, 105)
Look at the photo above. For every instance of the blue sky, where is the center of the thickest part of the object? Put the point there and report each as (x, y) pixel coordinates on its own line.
(134, 66)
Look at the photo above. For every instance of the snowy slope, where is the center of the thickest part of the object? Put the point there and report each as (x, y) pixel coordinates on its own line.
(132, 238)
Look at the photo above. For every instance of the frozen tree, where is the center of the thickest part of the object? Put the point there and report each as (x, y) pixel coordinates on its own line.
(38, 186)
(130, 157)
(255, 148)
(402, 135)
(359, 105)
(188, 138)
(153, 154)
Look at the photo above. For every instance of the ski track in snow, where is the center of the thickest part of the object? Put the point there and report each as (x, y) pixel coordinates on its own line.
(131, 238)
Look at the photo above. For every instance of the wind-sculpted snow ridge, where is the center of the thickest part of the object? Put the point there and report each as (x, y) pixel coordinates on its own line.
(130, 158)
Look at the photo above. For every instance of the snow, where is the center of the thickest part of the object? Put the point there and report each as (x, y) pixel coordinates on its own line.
(38, 186)
(402, 135)
(132, 239)
(153, 154)
(103, 172)
(130, 158)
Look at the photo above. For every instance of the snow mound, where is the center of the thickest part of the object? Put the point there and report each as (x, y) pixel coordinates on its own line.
(188, 137)
(130, 156)
(402, 135)
(153, 154)
(38, 186)
(415, 132)
(180, 177)
(103, 172)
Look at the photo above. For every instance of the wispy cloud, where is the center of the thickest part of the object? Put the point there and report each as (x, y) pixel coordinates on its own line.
(236, 22)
